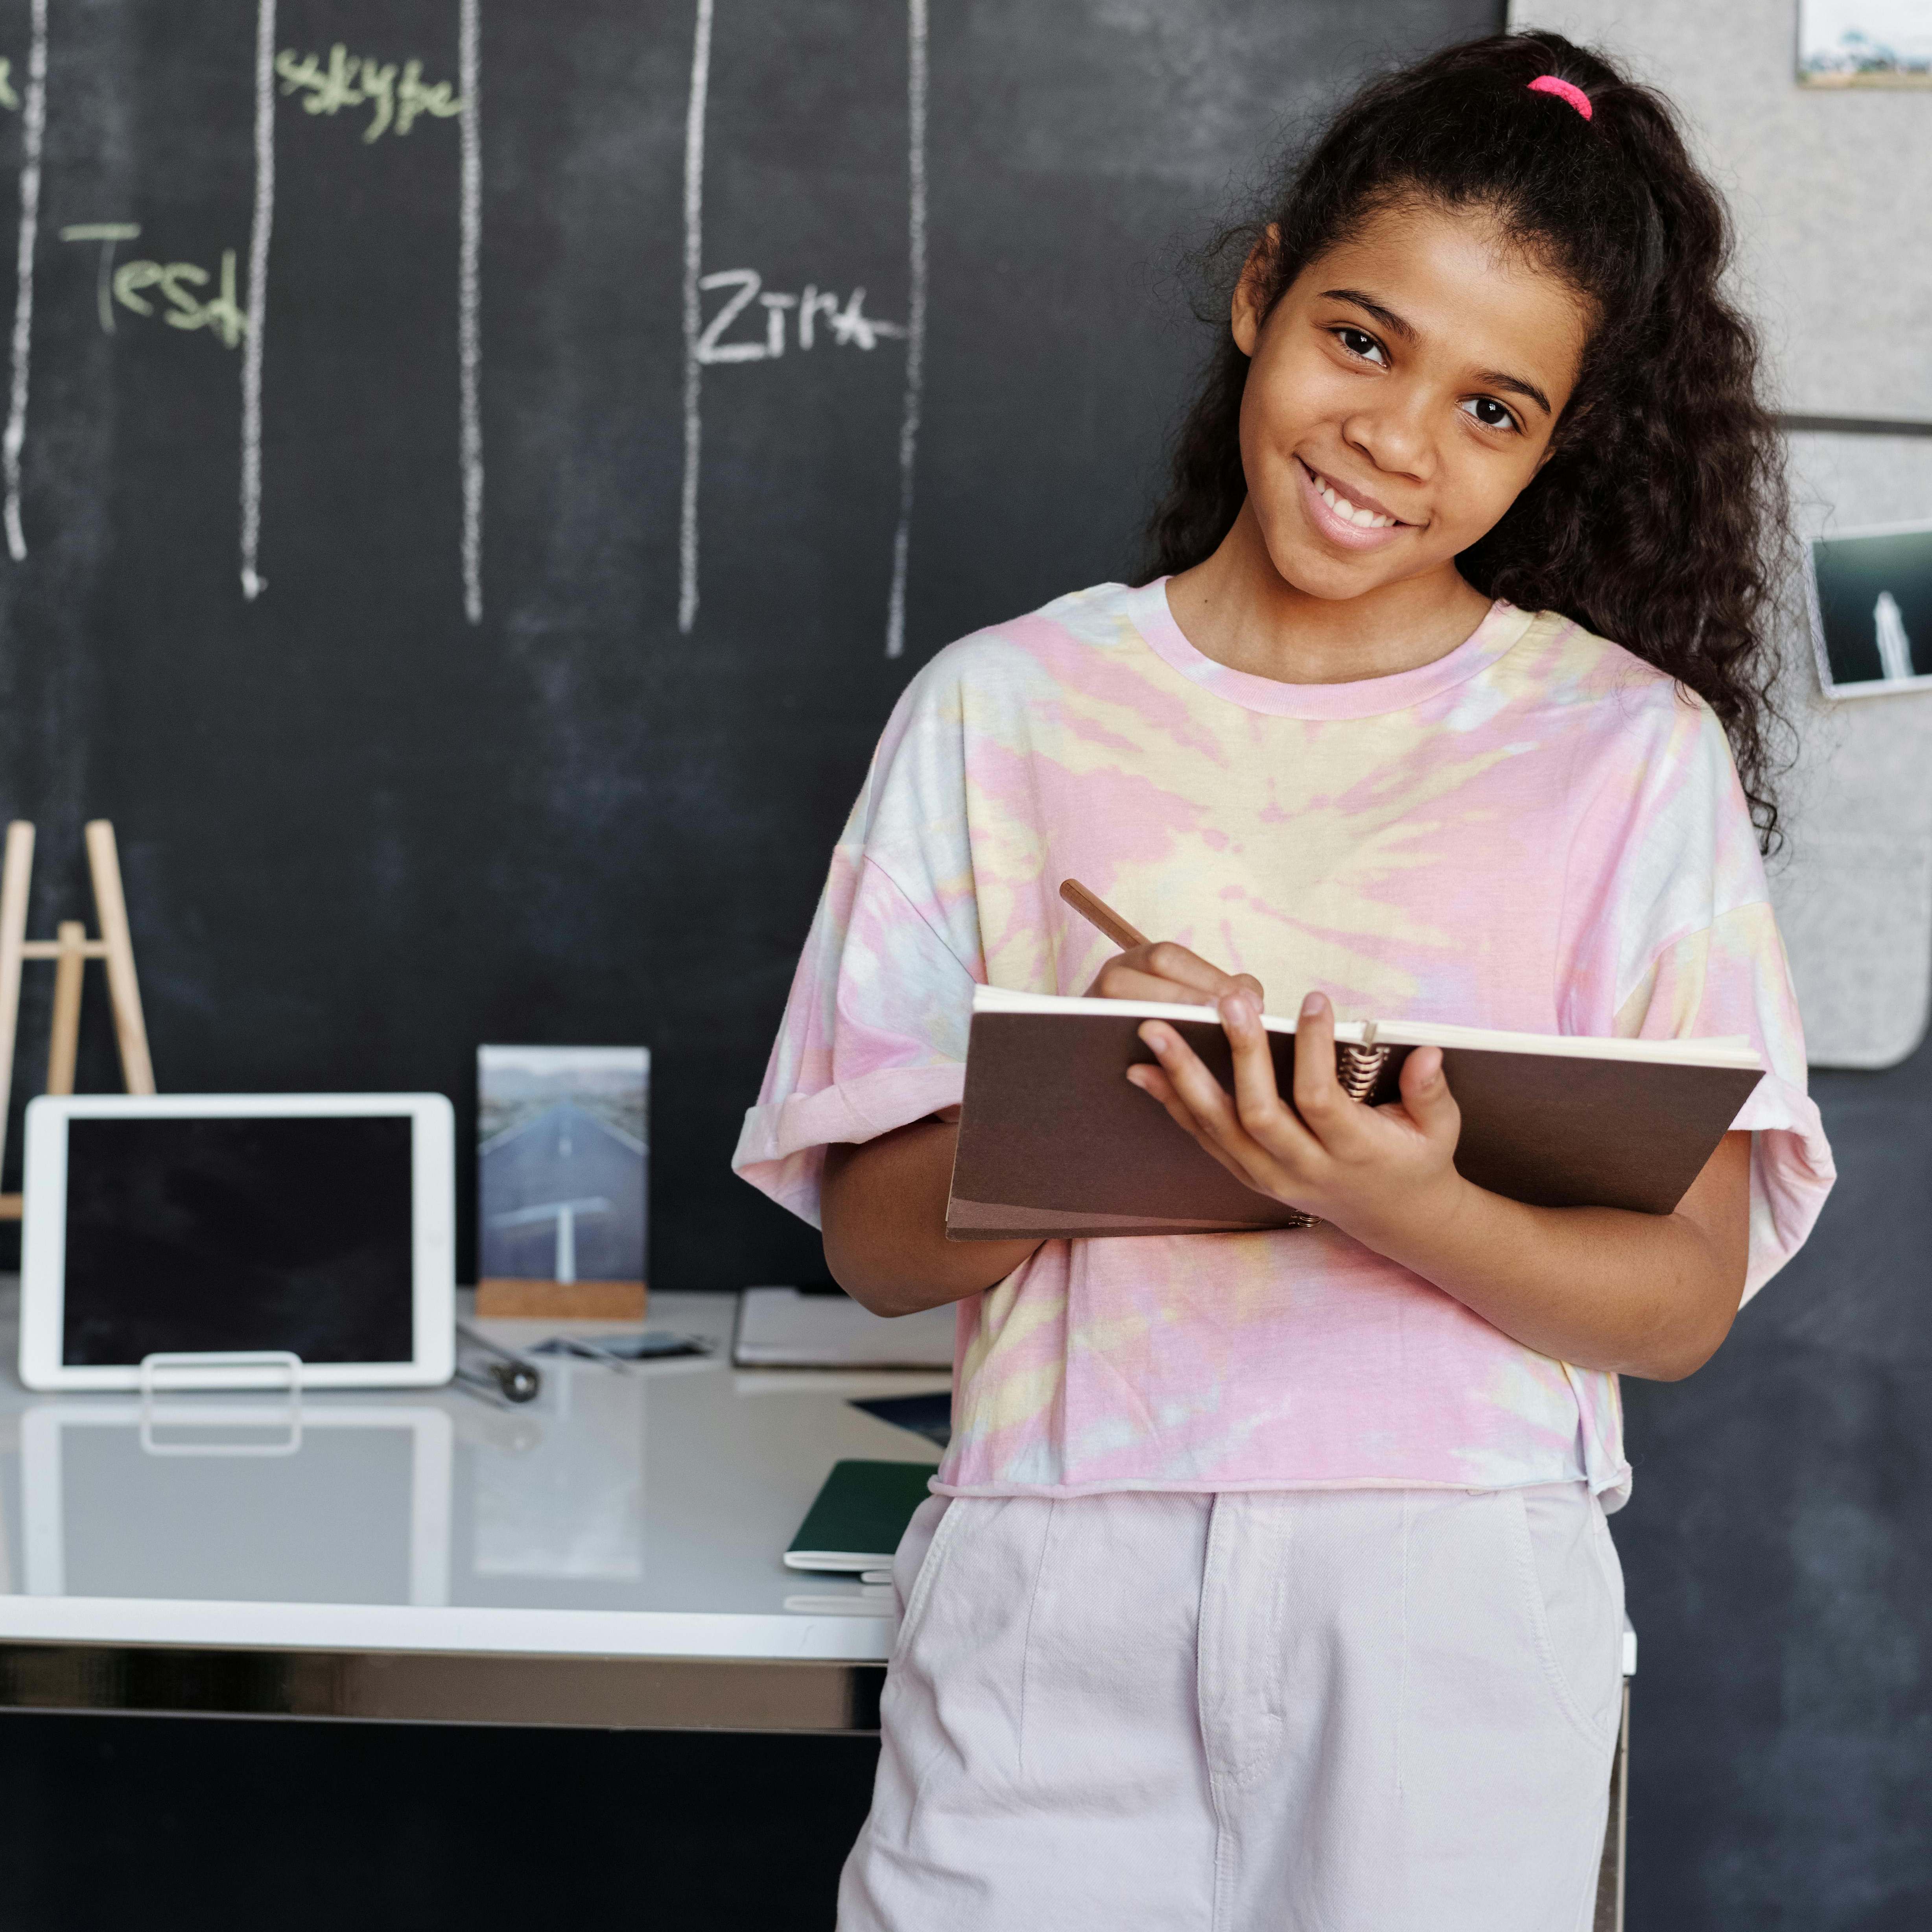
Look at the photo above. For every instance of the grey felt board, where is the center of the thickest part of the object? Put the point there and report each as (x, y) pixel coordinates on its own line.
(1778, 1547)
(1828, 192)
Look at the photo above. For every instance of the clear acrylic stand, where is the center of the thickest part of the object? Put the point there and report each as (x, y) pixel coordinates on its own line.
(155, 1367)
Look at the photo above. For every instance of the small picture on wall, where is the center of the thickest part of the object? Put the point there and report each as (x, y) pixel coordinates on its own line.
(562, 1136)
(1871, 610)
(1864, 43)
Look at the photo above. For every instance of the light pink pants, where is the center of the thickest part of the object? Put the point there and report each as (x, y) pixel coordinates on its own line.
(1315, 1710)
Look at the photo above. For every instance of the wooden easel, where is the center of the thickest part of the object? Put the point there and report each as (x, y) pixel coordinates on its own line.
(69, 952)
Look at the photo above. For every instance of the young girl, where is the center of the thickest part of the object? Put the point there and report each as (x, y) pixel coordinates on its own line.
(1266, 1583)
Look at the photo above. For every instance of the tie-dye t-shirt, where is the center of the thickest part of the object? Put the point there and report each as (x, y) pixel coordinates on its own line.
(1537, 832)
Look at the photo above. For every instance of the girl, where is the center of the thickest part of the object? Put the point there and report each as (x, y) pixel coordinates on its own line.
(1266, 1583)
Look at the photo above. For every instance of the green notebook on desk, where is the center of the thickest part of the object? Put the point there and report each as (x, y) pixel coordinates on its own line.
(859, 1516)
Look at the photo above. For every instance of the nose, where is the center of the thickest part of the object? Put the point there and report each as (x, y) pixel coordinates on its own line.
(1393, 431)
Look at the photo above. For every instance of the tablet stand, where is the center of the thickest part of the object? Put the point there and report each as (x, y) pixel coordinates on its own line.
(194, 1365)
(70, 951)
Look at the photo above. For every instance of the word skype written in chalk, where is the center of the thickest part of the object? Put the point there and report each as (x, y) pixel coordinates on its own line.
(359, 80)
(816, 310)
(127, 286)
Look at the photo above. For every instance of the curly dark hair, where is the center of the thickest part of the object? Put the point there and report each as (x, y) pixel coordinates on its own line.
(1660, 520)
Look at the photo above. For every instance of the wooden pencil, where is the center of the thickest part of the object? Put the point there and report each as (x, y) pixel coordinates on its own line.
(1096, 912)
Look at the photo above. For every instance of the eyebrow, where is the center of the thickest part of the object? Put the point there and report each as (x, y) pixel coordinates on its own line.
(1496, 378)
(1490, 378)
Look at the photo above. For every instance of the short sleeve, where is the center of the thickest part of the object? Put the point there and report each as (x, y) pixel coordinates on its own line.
(874, 1031)
(1674, 938)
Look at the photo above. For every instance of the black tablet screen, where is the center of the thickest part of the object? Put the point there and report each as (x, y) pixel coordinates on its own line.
(290, 1233)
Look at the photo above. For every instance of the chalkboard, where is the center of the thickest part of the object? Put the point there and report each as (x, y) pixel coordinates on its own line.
(460, 656)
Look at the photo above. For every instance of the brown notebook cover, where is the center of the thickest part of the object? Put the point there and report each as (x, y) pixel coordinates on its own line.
(1054, 1141)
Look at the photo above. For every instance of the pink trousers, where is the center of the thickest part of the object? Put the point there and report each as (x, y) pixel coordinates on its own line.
(1314, 1711)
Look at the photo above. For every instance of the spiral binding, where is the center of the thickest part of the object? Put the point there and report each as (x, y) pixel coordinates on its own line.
(1359, 1068)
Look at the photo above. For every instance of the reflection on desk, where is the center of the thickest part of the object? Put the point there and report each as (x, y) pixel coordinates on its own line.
(634, 1512)
(249, 1501)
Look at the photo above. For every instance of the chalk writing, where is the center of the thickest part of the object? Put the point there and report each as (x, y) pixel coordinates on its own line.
(397, 98)
(175, 282)
(107, 233)
(9, 99)
(818, 312)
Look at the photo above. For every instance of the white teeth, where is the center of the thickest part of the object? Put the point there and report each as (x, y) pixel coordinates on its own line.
(1367, 520)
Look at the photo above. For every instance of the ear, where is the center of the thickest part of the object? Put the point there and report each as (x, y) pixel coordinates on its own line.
(1248, 310)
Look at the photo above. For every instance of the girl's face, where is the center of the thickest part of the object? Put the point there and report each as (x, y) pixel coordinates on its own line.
(1401, 392)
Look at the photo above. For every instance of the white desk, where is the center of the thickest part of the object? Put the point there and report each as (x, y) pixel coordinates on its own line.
(606, 1555)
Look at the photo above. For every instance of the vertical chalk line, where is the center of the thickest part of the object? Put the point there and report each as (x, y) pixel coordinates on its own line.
(470, 305)
(694, 315)
(915, 368)
(33, 135)
(261, 227)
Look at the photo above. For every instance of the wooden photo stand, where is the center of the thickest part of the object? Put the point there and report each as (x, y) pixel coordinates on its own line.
(70, 951)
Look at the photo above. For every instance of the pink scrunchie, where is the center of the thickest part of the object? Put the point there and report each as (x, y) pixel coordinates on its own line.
(1564, 90)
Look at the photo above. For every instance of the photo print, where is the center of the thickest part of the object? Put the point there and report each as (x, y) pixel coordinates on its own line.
(561, 1159)
(1864, 43)
(1871, 610)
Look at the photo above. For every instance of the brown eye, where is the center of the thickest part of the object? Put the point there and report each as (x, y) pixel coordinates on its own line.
(1490, 413)
(1360, 342)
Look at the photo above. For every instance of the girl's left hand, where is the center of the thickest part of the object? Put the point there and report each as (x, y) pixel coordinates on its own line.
(1375, 1172)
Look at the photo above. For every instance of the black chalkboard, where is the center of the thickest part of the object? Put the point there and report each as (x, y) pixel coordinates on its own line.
(361, 832)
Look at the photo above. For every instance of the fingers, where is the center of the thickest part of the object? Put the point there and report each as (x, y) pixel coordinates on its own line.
(1318, 1098)
(1119, 981)
(1164, 970)
(1426, 1097)
(1259, 1145)
(1197, 1090)
(1150, 1080)
(1257, 1099)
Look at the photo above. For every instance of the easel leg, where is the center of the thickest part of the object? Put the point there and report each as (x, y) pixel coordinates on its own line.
(124, 989)
(64, 1045)
(16, 876)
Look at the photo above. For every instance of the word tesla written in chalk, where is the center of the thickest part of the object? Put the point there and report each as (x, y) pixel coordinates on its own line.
(221, 314)
(817, 310)
(361, 80)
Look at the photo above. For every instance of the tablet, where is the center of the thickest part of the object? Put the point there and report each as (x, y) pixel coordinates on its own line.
(316, 1224)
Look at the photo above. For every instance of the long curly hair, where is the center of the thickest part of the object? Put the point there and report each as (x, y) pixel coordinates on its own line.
(1660, 519)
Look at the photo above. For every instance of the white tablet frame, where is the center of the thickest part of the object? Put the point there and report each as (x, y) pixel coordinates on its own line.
(44, 1238)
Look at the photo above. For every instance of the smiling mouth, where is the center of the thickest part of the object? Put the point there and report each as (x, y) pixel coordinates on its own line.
(1350, 512)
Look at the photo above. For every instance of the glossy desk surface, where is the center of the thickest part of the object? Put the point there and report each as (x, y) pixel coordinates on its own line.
(631, 1512)
(607, 1555)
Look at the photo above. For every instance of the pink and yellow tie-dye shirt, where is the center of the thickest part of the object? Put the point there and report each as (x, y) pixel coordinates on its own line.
(1537, 832)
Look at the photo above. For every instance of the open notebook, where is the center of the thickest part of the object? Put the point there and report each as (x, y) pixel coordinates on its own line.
(1053, 1141)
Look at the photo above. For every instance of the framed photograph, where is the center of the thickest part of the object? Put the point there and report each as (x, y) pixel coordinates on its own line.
(562, 1159)
(1864, 43)
(1870, 593)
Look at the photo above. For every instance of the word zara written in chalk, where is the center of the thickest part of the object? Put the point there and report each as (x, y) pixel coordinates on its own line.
(816, 310)
(396, 98)
(129, 286)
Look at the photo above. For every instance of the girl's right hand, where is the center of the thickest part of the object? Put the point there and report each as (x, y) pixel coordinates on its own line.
(1163, 970)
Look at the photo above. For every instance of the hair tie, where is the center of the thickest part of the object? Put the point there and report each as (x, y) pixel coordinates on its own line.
(1564, 90)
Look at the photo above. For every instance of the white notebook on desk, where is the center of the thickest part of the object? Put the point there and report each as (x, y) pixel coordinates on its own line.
(790, 1328)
